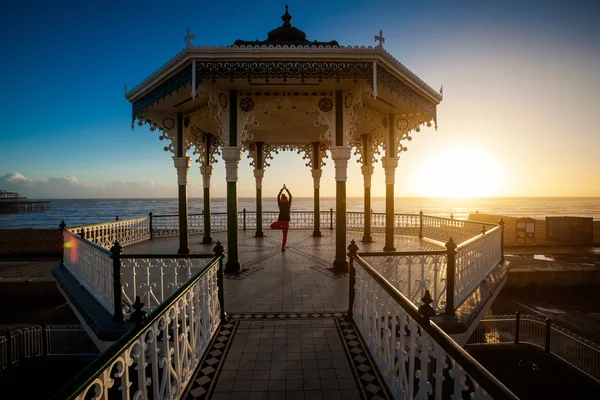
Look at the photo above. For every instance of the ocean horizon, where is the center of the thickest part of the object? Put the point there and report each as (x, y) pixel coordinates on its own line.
(88, 211)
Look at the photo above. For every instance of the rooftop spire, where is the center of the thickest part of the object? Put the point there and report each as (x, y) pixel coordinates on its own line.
(286, 18)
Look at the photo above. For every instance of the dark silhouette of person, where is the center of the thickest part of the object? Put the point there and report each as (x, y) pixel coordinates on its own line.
(283, 222)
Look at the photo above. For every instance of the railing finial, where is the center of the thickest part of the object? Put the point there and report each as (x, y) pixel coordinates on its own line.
(501, 222)
(139, 316)
(62, 226)
(218, 249)
(116, 248)
(450, 245)
(352, 248)
(483, 229)
(425, 309)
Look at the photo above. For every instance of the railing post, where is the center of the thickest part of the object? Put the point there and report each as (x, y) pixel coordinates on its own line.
(517, 326)
(244, 212)
(425, 309)
(548, 330)
(331, 219)
(138, 316)
(450, 276)
(150, 224)
(482, 230)
(62, 228)
(44, 339)
(117, 218)
(82, 233)
(352, 251)
(421, 224)
(116, 250)
(219, 250)
(451, 215)
(501, 223)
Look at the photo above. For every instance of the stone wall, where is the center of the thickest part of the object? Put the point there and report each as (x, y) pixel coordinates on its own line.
(30, 241)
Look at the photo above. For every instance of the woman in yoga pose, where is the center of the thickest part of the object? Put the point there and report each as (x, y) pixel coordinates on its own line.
(283, 222)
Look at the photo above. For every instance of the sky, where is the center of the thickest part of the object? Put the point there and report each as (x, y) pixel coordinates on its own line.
(519, 115)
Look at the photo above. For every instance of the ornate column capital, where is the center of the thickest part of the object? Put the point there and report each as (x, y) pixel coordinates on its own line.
(232, 157)
(390, 164)
(182, 164)
(258, 175)
(316, 174)
(340, 156)
(206, 172)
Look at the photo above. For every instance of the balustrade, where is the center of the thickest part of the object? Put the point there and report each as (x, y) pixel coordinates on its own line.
(128, 231)
(414, 273)
(441, 229)
(157, 360)
(92, 266)
(414, 356)
(475, 260)
(154, 278)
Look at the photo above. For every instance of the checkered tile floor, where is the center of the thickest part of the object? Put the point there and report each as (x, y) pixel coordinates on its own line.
(287, 356)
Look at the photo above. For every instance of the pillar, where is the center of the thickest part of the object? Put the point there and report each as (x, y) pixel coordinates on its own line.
(390, 162)
(182, 164)
(232, 157)
(206, 172)
(340, 155)
(258, 175)
(316, 174)
(367, 171)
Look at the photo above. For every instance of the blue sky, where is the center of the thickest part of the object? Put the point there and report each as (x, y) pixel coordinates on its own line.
(520, 78)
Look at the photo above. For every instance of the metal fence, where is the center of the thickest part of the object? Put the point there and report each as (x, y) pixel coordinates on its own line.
(47, 340)
(540, 332)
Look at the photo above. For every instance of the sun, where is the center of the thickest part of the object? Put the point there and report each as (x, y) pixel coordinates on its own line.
(459, 172)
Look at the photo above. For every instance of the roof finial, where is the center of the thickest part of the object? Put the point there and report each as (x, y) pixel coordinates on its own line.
(188, 39)
(286, 17)
(379, 38)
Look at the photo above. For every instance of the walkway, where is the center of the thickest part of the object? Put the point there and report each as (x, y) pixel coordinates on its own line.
(287, 337)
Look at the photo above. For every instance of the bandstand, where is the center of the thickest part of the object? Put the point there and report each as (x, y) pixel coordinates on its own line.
(284, 93)
(386, 320)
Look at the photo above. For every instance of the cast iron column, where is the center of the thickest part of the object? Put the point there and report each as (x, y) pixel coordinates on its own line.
(316, 174)
(206, 171)
(182, 163)
(340, 155)
(367, 171)
(390, 162)
(259, 172)
(232, 156)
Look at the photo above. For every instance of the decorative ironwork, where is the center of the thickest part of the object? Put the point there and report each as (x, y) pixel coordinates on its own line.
(223, 100)
(325, 104)
(127, 231)
(172, 84)
(387, 80)
(402, 124)
(247, 104)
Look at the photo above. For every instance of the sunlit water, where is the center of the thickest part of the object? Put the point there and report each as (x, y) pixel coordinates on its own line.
(80, 212)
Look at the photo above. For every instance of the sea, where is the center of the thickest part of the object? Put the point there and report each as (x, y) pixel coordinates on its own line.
(77, 212)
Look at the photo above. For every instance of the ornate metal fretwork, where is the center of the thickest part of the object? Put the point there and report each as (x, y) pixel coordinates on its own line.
(200, 143)
(268, 151)
(387, 80)
(173, 84)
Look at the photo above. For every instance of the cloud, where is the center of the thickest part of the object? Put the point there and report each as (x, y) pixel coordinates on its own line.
(70, 187)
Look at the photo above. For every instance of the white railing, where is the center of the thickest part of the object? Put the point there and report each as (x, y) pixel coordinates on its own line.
(155, 278)
(416, 359)
(159, 359)
(92, 266)
(442, 229)
(126, 232)
(475, 260)
(576, 351)
(412, 274)
(24, 343)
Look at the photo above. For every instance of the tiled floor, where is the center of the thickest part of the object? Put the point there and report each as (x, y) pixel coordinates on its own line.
(287, 337)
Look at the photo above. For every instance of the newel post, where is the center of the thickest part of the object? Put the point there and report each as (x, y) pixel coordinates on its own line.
(450, 276)
(421, 224)
(425, 309)
(219, 252)
(139, 316)
(62, 227)
(244, 212)
(116, 250)
(150, 224)
(352, 252)
(501, 223)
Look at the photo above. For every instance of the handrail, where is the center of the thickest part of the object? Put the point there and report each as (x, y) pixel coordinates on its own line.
(174, 256)
(475, 370)
(401, 253)
(88, 375)
(88, 242)
(476, 238)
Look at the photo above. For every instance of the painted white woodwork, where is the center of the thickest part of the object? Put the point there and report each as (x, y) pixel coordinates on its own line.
(340, 156)
(182, 164)
(232, 157)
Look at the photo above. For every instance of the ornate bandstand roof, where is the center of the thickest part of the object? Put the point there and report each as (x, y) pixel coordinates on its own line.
(285, 89)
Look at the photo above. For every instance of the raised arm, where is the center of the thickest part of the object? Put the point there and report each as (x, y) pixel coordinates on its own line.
(279, 196)
(289, 194)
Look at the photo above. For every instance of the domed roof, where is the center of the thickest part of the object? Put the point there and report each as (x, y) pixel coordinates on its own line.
(286, 34)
